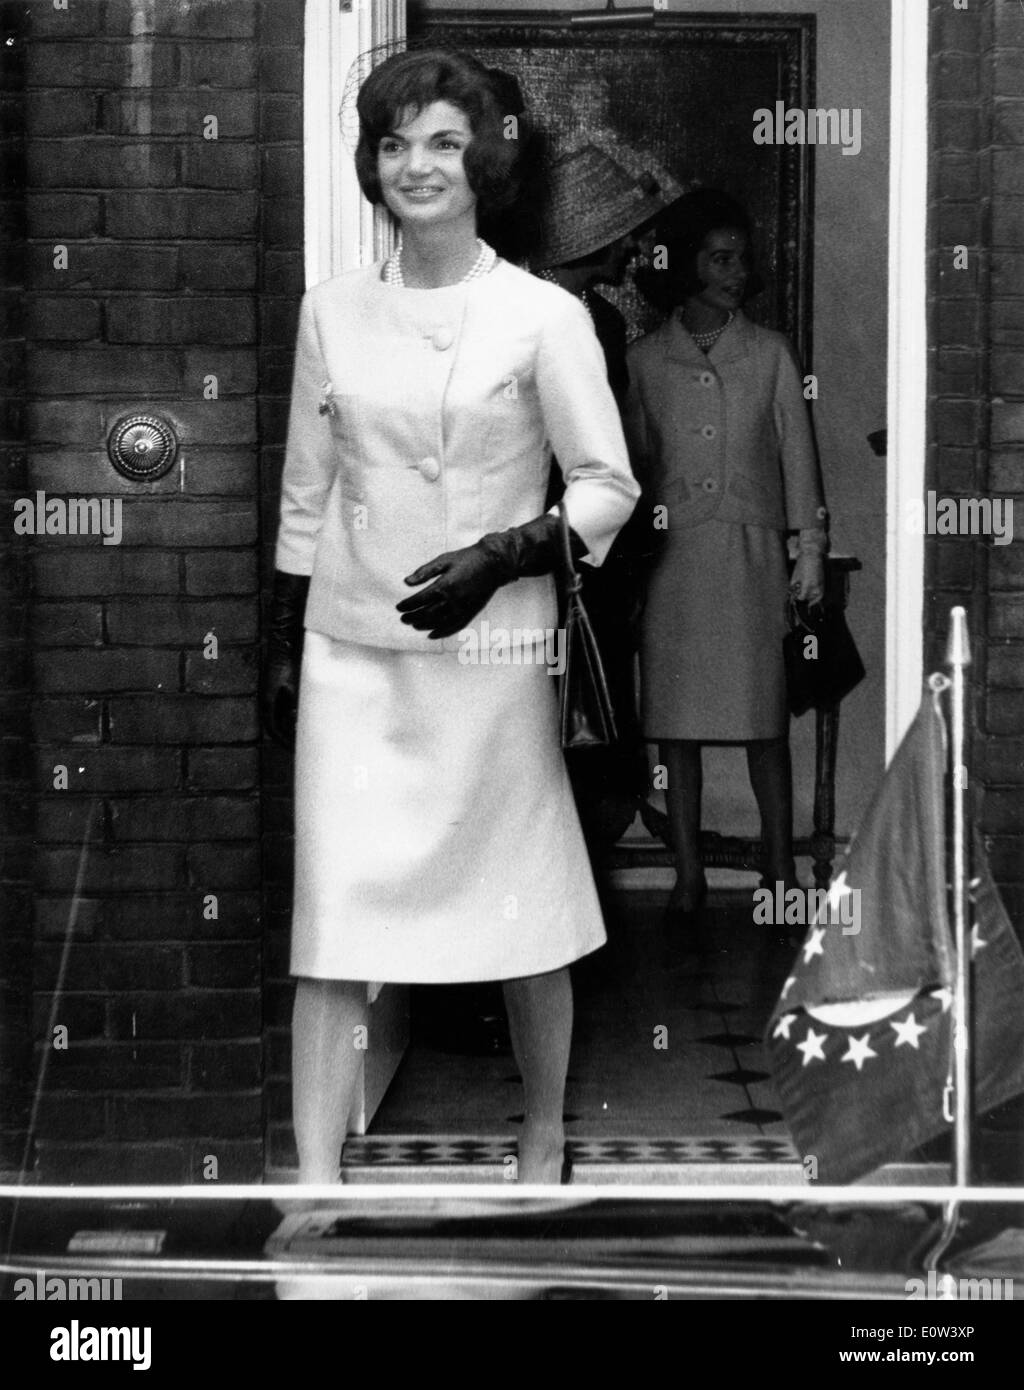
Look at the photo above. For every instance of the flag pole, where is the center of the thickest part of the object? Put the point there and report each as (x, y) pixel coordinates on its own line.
(958, 657)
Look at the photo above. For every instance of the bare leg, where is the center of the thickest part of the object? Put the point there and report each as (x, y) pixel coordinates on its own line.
(540, 1022)
(682, 761)
(771, 778)
(327, 1052)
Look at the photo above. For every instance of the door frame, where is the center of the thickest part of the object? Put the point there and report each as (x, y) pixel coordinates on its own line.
(342, 232)
(907, 366)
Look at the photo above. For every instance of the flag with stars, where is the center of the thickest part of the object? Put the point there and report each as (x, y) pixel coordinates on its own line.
(860, 1041)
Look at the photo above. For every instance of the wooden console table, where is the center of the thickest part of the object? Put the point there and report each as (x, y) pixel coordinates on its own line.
(734, 852)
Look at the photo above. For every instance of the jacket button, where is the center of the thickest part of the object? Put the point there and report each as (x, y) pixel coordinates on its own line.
(431, 469)
(706, 379)
(709, 431)
(443, 339)
(710, 484)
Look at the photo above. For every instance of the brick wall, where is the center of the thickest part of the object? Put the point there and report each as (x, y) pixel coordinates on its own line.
(184, 262)
(976, 392)
(15, 782)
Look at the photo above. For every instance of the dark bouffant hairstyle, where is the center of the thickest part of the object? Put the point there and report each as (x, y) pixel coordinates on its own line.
(408, 82)
(682, 229)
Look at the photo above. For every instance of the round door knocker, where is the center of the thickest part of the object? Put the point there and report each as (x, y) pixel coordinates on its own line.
(142, 447)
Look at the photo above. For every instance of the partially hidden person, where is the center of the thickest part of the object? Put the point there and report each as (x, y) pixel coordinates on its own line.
(594, 212)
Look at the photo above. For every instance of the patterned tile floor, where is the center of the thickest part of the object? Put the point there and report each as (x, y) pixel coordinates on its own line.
(458, 1158)
(667, 1072)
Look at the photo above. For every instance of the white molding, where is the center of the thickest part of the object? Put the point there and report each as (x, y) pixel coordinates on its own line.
(342, 231)
(907, 366)
(321, 207)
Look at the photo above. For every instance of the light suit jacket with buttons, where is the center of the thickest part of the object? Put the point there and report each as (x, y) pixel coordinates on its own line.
(422, 419)
(723, 434)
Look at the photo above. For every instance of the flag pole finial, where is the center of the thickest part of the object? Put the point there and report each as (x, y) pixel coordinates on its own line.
(958, 647)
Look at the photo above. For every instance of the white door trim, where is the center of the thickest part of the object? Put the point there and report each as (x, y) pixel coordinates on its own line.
(341, 230)
(907, 367)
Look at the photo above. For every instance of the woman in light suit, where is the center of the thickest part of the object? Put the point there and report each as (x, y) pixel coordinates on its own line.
(721, 440)
(435, 834)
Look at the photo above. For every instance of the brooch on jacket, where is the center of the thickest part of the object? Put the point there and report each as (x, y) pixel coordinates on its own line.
(326, 406)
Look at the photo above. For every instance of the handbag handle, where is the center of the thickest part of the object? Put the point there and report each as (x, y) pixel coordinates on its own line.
(573, 581)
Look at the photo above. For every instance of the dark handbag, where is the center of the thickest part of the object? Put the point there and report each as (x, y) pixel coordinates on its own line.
(822, 671)
(585, 715)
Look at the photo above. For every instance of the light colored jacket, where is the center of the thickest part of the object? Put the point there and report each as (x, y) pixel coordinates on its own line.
(421, 420)
(724, 434)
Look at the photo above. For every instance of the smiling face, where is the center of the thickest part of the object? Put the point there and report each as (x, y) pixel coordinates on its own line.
(723, 267)
(421, 170)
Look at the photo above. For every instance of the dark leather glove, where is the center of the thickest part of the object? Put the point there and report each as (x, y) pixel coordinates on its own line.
(280, 690)
(465, 580)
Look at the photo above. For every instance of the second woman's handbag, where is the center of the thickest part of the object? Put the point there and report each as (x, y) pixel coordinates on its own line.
(585, 714)
(821, 672)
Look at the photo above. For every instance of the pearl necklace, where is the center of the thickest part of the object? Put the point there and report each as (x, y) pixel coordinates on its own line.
(483, 264)
(708, 339)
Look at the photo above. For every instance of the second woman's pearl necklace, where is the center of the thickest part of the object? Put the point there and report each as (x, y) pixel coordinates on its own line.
(706, 340)
(481, 266)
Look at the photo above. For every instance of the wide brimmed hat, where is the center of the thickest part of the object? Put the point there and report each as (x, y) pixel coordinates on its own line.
(592, 199)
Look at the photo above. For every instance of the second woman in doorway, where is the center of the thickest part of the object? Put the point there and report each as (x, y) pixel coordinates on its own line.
(722, 443)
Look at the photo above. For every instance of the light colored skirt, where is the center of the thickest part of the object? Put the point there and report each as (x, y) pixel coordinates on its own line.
(711, 660)
(436, 838)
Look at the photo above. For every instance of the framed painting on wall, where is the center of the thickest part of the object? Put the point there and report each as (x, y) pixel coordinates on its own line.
(676, 94)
